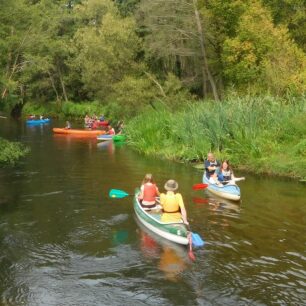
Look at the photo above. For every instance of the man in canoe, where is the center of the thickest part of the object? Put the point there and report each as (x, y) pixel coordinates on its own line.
(211, 165)
(172, 204)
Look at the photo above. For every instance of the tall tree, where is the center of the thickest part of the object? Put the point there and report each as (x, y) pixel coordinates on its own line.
(175, 41)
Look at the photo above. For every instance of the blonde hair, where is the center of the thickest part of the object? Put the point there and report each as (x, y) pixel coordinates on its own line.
(148, 179)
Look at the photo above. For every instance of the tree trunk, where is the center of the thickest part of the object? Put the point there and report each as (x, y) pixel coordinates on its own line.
(53, 86)
(203, 53)
(63, 85)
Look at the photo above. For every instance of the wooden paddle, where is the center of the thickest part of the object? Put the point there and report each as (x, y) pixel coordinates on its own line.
(199, 186)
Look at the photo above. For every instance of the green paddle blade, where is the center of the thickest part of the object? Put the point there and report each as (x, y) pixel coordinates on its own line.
(116, 193)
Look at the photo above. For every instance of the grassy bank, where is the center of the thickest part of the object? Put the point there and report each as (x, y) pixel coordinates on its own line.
(262, 135)
(11, 152)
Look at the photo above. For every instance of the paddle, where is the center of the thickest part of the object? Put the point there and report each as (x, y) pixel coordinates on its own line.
(117, 193)
(199, 186)
(190, 253)
(236, 179)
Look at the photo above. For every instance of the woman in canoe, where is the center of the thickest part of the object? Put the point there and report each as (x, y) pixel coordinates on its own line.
(172, 204)
(148, 192)
(225, 172)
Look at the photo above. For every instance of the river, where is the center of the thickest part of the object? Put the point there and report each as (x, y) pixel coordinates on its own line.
(63, 241)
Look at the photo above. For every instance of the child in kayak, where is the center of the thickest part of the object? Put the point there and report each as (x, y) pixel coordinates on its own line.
(111, 131)
(68, 125)
(148, 192)
(172, 204)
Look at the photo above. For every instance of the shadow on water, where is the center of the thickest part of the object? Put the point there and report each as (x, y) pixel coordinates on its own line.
(63, 241)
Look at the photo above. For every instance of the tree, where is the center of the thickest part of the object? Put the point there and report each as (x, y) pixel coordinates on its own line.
(105, 51)
(263, 56)
(175, 41)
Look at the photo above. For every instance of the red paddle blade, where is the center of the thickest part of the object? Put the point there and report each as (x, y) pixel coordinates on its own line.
(191, 255)
(200, 201)
(199, 186)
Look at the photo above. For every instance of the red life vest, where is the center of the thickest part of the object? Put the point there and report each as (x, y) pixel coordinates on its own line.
(149, 192)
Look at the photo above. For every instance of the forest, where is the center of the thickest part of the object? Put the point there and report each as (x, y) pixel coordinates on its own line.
(232, 72)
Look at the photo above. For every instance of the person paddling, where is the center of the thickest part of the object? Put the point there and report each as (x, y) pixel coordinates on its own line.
(172, 204)
(148, 192)
(111, 130)
(211, 165)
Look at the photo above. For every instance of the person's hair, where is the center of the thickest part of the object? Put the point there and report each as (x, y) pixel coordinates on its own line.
(228, 164)
(210, 154)
(148, 179)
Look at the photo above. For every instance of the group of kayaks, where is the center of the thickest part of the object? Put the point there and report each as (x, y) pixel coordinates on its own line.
(177, 232)
(116, 138)
(100, 135)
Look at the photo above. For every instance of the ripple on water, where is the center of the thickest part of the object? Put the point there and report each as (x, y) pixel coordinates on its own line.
(107, 280)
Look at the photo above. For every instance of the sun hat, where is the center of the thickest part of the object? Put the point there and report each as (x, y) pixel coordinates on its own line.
(171, 185)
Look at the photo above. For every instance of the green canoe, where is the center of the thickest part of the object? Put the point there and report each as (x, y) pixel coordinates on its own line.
(119, 137)
(176, 232)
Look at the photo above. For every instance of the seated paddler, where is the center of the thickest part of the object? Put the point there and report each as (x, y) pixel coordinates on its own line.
(148, 192)
(172, 204)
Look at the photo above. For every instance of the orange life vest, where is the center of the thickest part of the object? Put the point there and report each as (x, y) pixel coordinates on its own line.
(149, 192)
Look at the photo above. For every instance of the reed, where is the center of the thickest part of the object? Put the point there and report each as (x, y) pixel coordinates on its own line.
(260, 134)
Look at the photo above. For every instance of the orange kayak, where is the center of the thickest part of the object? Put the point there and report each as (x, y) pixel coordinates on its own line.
(87, 133)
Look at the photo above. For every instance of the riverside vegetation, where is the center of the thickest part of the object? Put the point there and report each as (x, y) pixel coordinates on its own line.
(221, 75)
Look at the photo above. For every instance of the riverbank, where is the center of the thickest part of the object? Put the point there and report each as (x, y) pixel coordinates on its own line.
(11, 152)
(260, 135)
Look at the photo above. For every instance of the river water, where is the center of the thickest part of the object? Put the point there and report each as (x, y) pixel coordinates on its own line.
(63, 241)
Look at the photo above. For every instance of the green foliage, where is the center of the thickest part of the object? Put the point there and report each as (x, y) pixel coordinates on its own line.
(11, 152)
(292, 14)
(105, 53)
(79, 110)
(264, 55)
(251, 132)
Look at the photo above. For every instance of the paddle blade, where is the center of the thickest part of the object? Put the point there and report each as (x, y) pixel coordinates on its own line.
(199, 186)
(116, 193)
(191, 255)
(197, 241)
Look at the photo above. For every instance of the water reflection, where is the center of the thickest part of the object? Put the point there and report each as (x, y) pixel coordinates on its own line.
(108, 146)
(172, 258)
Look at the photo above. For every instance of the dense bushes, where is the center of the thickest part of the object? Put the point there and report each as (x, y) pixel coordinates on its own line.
(10, 152)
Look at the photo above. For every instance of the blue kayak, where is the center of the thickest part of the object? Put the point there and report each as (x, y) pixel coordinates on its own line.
(104, 137)
(38, 121)
(230, 191)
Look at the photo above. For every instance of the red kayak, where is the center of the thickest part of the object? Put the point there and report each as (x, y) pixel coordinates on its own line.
(102, 123)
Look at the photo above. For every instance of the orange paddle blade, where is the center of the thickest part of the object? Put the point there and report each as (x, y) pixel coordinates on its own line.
(199, 186)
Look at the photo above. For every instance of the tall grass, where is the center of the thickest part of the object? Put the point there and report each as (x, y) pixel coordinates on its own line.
(260, 134)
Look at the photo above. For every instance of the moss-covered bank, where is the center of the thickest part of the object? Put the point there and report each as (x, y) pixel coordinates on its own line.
(258, 134)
